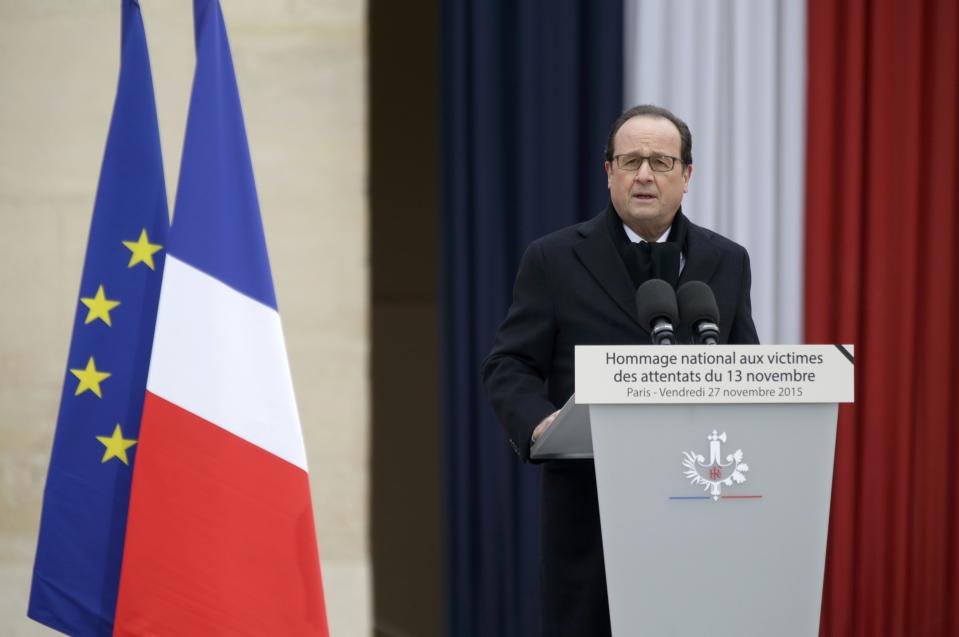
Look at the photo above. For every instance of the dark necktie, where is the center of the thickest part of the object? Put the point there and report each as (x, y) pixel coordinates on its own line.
(655, 261)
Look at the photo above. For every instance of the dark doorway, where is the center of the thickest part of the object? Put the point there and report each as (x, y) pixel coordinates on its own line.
(406, 531)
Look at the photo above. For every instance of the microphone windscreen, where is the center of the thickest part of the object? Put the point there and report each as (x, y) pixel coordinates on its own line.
(697, 303)
(656, 299)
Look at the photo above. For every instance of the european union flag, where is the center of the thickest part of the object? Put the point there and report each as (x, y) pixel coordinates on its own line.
(80, 548)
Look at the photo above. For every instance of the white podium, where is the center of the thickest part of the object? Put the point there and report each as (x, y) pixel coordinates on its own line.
(713, 494)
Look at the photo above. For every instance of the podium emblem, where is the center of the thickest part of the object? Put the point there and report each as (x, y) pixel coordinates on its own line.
(718, 472)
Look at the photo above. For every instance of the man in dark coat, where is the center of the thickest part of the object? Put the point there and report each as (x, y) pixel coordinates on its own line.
(577, 286)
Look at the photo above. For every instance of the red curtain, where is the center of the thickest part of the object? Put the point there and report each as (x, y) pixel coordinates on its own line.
(882, 272)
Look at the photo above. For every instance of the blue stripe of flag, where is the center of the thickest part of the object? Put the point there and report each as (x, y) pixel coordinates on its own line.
(216, 226)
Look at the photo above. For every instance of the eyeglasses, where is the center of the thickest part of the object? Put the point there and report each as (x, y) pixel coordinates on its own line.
(657, 163)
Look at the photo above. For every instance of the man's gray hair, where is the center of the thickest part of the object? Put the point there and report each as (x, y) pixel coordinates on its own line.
(685, 137)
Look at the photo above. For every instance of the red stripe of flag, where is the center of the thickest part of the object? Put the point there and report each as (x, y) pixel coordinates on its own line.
(230, 519)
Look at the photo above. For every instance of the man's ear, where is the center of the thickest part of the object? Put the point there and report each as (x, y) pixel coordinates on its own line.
(609, 173)
(687, 177)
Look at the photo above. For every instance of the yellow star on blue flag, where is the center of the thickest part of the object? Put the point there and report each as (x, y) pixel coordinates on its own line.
(90, 378)
(99, 307)
(142, 251)
(116, 445)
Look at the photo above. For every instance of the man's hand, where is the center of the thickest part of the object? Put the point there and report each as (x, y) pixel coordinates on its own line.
(543, 426)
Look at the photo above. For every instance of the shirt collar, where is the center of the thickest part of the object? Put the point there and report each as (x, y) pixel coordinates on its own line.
(635, 238)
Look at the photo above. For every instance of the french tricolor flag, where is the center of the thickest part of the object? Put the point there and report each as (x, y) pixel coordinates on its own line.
(220, 536)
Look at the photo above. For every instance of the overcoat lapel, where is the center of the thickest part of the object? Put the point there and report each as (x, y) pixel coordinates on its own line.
(702, 257)
(598, 254)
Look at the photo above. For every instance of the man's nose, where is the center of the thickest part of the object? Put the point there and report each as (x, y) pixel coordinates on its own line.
(644, 173)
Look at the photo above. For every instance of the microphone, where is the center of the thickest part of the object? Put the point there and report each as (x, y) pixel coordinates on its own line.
(656, 305)
(697, 306)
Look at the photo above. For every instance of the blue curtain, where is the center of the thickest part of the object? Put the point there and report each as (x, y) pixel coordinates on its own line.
(529, 90)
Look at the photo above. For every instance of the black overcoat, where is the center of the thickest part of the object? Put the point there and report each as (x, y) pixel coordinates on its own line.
(572, 288)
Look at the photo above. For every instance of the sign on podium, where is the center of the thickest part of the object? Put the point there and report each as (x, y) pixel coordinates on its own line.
(714, 473)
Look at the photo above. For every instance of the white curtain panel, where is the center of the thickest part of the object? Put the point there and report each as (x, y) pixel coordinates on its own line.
(734, 70)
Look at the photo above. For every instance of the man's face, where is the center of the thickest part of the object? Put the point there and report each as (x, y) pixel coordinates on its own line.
(647, 200)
